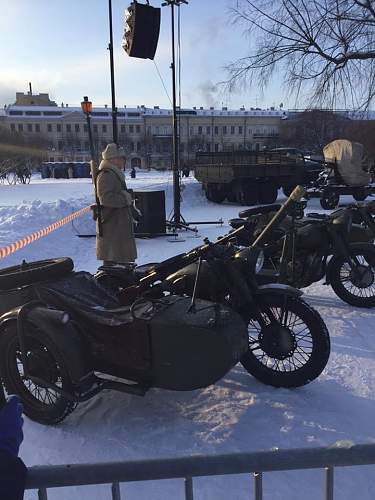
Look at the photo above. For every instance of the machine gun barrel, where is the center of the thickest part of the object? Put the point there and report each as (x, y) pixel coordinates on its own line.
(169, 266)
(295, 196)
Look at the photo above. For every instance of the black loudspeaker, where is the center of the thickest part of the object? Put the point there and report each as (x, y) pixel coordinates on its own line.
(142, 27)
(152, 206)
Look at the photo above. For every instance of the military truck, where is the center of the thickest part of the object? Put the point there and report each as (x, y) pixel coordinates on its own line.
(249, 177)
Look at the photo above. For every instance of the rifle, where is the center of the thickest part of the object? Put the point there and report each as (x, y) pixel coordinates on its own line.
(2, 396)
(96, 208)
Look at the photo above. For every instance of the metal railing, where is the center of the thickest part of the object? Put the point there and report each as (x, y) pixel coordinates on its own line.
(327, 458)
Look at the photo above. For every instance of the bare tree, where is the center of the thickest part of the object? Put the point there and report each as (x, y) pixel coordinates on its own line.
(323, 49)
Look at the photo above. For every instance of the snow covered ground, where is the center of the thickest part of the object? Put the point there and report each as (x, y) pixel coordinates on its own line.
(238, 413)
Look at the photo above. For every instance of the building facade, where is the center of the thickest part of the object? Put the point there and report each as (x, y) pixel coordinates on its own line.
(145, 133)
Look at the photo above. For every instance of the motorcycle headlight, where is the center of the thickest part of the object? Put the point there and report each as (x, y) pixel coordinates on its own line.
(260, 261)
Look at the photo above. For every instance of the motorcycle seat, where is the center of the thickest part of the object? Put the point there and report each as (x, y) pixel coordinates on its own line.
(260, 210)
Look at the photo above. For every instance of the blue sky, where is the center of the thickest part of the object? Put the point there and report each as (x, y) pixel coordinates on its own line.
(61, 47)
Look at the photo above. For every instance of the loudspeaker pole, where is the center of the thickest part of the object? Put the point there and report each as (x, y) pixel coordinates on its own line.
(176, 218)
(112, 65)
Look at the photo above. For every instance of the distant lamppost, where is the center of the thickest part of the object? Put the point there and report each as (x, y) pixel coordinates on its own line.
(86, 107)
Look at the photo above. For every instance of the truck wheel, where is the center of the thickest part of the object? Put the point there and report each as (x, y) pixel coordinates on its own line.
(329, 199)
(287, 190)
(215, 193)
(359, 194)
(46, 362)
(251, 195)
(267, 193)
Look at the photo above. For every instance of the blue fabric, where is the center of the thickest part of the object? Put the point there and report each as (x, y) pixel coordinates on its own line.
(11, 422)
(12, 477)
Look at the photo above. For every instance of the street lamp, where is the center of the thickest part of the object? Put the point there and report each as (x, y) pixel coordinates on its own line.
(86, 106)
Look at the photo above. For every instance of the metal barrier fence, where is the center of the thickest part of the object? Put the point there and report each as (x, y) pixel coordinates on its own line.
(42, 478)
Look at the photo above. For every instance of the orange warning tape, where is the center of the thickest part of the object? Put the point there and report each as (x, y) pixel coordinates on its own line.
(5, 251)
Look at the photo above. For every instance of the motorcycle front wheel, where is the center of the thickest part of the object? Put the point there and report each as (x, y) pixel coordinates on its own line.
(355, 285)
(293, 347)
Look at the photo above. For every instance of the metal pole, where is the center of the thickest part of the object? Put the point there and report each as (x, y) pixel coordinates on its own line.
(176, 176)
(110, 48)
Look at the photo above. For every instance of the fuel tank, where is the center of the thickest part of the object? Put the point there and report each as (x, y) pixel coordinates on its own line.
(194, 347)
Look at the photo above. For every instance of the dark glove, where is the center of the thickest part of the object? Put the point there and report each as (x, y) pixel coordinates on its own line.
(11, 422)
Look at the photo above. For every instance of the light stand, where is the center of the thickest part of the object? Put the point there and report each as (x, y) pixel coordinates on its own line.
(176, 221)
(110, 48)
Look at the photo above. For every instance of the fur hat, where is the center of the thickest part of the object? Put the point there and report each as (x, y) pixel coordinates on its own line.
(113, 151)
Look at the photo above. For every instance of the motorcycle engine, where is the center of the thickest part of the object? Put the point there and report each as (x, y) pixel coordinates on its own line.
(305, 269)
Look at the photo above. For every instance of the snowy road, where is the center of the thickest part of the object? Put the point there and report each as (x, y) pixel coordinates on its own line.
(238, 413)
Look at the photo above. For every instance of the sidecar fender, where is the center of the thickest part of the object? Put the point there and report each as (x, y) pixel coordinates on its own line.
(278, 289)
(65, 336)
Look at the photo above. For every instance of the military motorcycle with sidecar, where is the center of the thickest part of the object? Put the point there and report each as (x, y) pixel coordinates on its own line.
(288, 340)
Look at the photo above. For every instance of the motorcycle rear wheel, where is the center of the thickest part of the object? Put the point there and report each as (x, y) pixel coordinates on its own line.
(292, 353)
(356, 289)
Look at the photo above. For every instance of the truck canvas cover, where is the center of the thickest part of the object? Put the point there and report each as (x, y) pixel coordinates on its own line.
(348, 156)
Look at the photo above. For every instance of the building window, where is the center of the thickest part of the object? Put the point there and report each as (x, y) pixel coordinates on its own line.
(138, 129)
(216, 148)
(60, 145)
(132, 147)
(29, 127)
(87, 145)
(232, 130)
(149, 130)
(49, 127)
(131, 129)
(224, 130)
(191, 131)
(104, 129)
(68, 127)
(139, 147)
(200, 130)
(12, 127)
(208, 130)
(208, 147)
(58, 127)
(85, 129)
(216, 130)
(37, 127)
(123, 129)
(95, 128)
(20, 127)
(240, 130)
(76, 127)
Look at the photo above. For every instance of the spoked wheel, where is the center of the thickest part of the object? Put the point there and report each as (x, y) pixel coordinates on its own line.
(12, 178)
(292, 349)
(329, 199)
(355, 285)
(44, 405)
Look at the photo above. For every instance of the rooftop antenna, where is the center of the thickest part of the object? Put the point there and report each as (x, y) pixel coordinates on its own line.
(30, 89)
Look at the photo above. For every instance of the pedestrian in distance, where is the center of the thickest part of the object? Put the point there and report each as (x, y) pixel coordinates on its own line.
(12, 469)
(133, 173)
(116, 245)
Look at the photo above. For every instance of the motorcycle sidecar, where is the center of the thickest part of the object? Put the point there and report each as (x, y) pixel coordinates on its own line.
(60, 350)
